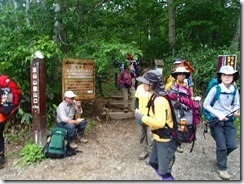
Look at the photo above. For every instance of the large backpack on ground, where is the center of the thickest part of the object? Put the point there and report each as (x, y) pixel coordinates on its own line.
(57, 146)
(214, 83)
(186, 115)
(10, 96)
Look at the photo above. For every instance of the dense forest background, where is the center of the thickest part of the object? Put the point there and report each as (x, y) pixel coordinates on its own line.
(106, 30)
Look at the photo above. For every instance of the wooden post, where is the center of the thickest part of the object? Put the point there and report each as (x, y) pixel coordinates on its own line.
(159, 65)
(38, 98)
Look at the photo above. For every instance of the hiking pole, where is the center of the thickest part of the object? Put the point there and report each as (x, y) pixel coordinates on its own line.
(216, 120)
(205, 130)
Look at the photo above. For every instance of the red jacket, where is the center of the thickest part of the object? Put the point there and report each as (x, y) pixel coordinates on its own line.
(3, 118)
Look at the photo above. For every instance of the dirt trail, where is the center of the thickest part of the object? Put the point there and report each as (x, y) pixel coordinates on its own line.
(111, 154)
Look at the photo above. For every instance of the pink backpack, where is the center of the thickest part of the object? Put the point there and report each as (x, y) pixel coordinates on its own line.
(186, 114)
(126, 79)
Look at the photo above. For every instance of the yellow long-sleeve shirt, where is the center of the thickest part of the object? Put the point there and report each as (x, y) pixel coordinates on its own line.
(162, 115)
(143, 97)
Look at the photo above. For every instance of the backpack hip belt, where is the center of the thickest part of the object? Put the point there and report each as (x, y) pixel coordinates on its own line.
(164, 133)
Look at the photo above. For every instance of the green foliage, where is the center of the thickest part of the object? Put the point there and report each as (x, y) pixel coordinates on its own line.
(108, 31)
(90, 125)
(32, 153)
(238, 126)
(21, 135)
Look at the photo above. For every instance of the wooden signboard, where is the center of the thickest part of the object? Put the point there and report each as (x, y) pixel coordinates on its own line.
(187, 65)
(227, 60)
(79, 77)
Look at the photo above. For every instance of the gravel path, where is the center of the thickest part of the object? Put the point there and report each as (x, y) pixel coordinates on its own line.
(111, 154)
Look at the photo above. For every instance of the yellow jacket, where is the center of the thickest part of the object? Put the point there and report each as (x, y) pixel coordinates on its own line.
(143, 98)
(162, 115)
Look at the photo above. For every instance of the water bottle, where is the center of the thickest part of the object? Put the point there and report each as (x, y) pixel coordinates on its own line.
(183, 124)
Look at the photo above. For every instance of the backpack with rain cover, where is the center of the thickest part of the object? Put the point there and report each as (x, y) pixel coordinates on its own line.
(10, 95)
(186, 115)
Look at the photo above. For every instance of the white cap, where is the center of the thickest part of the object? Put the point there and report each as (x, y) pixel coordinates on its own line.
(229, 70)
(69, 94)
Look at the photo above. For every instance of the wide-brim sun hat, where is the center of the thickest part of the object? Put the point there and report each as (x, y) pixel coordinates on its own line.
(69, 94)
(181, 70)
(152, 76)
(178, 61)
(228, 70)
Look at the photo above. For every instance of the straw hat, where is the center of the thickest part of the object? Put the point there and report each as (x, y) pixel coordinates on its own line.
(181, 70)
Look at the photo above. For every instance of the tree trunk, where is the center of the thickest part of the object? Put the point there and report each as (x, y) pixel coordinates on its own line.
(171, 11)
(236, 39)
(27, 11)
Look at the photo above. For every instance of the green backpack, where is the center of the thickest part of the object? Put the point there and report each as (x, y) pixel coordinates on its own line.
(56, 146)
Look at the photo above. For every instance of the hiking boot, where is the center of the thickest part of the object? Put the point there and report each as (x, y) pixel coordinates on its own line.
(167, 177)
(125, 110)
(79, 139)
(224, 175)
(143, 155)
(83, 140)
(179, 149)
(73, 145)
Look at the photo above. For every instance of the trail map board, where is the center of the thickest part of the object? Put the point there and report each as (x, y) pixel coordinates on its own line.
(79, 77)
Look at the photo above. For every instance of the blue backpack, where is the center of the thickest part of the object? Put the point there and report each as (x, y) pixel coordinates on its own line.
(214, 83)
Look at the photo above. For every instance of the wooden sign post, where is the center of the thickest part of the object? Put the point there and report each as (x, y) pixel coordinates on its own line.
(227, 60)
(159, 65)
(38, 98)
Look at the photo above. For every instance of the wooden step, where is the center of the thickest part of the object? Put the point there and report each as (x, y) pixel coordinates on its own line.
(121, 115)
(116, 97)
(118, 104)
(119, 97)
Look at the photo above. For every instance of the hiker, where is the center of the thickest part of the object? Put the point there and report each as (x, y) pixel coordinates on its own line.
(162, 156)
(179, 75)
(145, 137)
(65, 119)
(224, 131)
(10, 98)
(179, 63)
(125, 81)
(3, 120)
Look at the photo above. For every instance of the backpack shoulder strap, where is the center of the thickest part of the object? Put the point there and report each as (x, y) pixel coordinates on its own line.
(216, 97)
(234, 94)
(150, 103)
(172, 113)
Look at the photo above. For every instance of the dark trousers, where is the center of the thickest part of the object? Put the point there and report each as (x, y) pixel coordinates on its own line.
(73, 130)
(162, 157)
(225, 136)
(2, 124)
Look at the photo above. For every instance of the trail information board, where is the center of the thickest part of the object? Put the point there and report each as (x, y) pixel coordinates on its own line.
(79, 77)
